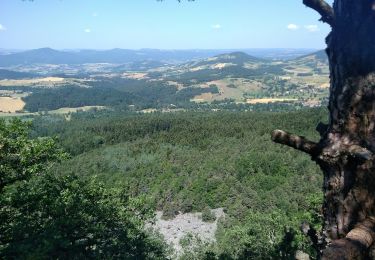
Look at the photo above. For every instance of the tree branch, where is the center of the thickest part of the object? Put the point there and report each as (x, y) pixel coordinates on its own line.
(360, 152)
(295, 141)
(324, 9)
(355, 245)
(321, 128)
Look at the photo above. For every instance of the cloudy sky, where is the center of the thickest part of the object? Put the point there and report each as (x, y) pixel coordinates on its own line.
(134, 24)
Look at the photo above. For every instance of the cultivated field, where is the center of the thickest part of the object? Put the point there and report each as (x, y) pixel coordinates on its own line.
(67, 110)
(229, 88)
(315, 80)
(269, 100)
(135, 75)
(29, 82)
(11, 104)
(47, 82)
(60, 111)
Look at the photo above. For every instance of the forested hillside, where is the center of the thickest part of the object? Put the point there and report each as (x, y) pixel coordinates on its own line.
(188, 162)
(46, 215)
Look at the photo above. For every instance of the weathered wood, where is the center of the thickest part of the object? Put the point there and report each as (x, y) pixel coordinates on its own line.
(295, 141)
(324, 9)
(355, 245)
(347, 146)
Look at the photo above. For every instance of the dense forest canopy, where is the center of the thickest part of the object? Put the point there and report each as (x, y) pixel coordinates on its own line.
(176, 159)
(47, 215)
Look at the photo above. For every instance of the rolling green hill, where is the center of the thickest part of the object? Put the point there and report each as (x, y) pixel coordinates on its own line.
(320, 56)
(234, 78)
(236, 58)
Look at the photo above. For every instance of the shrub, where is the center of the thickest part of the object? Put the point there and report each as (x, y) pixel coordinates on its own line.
(208, 215)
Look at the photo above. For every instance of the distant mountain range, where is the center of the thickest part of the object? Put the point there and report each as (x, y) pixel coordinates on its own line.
(122, 56)
(245, 64)
(228, 64)
(115, 56)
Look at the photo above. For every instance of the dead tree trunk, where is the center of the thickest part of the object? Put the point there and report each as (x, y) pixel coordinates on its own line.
(346, 150)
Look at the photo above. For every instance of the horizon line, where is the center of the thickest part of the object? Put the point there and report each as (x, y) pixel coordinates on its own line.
(165, 49)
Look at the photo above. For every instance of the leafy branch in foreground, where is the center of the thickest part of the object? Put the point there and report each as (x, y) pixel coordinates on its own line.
(21, 157)
(46, 215)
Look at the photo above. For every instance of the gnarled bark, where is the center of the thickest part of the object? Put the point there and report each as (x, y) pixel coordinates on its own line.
(324, 9)
(346, 150)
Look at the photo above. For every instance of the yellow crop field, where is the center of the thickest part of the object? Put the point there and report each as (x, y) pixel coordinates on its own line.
(28, 82)
(268, 100)
(11, 104)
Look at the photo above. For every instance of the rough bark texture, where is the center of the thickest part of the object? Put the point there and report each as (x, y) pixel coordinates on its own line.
(345, 151)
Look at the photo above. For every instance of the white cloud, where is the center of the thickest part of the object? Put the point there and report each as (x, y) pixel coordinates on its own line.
(2, 27)
(292, 27)
(88, 30)
(216, 26)
(312, 28)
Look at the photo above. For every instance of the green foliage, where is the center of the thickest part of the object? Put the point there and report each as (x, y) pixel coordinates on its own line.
(192, 161)
(115, 92)
(194, 248)
(261, 236)
(207, 215)
(21, 157)
(46, 215)
(169, 211)
(65, 217)
(68, 96)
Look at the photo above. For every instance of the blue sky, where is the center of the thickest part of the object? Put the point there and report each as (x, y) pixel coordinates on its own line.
(134, 24)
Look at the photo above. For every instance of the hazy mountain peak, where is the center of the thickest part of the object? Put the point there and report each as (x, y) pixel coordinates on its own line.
(238, 55)
(319, 55)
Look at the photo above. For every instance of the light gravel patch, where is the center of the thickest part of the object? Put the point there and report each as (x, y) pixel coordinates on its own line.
(174, 230)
